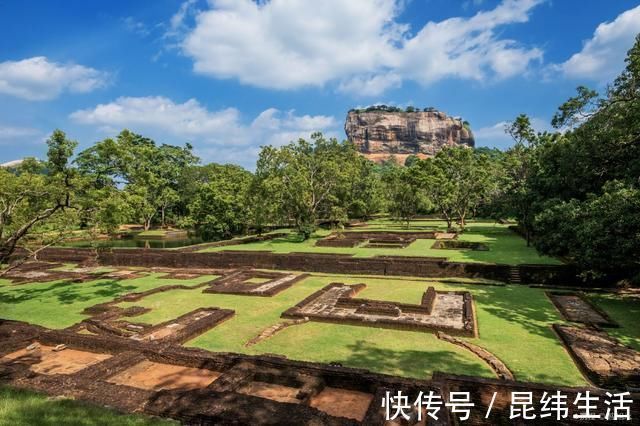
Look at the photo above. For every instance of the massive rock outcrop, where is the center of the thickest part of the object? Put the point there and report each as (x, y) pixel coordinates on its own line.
(380, 134)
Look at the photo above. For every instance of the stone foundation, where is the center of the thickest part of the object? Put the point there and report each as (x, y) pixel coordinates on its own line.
(240, 283)
(441, 311)
(313, 262)
(604, 360)
(576, 308)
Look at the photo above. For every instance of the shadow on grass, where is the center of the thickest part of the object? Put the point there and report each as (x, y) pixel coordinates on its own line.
(625, 311)
(21, 407)
(290, 238)
(511, 303)
(414, 363)
(66, 292)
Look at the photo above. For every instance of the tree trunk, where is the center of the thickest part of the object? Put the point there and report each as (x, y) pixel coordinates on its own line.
(448, 219)
(4, 255)
(9, 245)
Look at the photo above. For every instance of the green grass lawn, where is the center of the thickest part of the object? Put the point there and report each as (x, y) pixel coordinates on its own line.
(58, 304)
(25, 408)
(505, 246)
(514, 324)
(625, 310)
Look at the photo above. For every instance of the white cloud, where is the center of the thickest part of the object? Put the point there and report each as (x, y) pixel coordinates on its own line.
(135, 26)
(490, 133)
(217, 135)
(10, 132)
(373, 85)
(471, 3)
(289, 44)
(602, 56)
(162, 114)
(39, 79)
(469, 48)
(177, 23)
(494, 136)
(19, 135)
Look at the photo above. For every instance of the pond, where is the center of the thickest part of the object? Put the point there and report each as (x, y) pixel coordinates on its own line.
(138, 242)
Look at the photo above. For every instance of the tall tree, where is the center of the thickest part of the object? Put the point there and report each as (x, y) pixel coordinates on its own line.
(305, 178)
(403, 197)
(35, 193)
(150, 174)
(364, 191)
(457, 180)
(588, 178)
(220, 207)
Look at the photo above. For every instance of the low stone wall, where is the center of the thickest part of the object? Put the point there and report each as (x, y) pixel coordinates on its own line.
(335, 304)
(389, 234)
(315, 262)
(498, 367)
(221, 402)
(428, 299)
(237, 283)
(575, 307)
(603, 359)
(337, 242)
(459, 245)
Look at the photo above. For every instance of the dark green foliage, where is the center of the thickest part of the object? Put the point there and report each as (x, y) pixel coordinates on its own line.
(38, 195)
(303, 181)
(575, 194)
(150, 174)
(219, 208)
(402, 194)
(601, 233)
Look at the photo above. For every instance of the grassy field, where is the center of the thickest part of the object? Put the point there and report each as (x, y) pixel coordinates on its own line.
(25, 408)
(58, 304)
(514, 324)
(505, 314)
(625, 311)
(505, 246)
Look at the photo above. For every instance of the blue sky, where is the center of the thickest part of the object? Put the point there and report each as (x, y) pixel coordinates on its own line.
(232, 75)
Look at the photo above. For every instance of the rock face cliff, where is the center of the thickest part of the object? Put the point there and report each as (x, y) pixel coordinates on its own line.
(380, 134)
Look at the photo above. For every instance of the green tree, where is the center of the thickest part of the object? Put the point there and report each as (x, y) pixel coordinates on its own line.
(438, 188)
(516, 197)
(457, 180)
(403, 198)
(36, 194)
(364, 196)
(305, 178)
(600, 234)
(588, 181)
(150, 174)
(220, 208)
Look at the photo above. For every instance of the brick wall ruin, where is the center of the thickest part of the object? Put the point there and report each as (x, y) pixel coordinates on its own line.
(315, 262)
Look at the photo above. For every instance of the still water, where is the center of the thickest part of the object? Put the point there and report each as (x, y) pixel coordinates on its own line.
(138, 242)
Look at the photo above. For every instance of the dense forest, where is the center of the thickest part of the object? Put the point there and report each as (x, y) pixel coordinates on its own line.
(574, 192)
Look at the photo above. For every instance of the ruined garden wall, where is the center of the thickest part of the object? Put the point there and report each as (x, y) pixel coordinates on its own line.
(315, 262)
